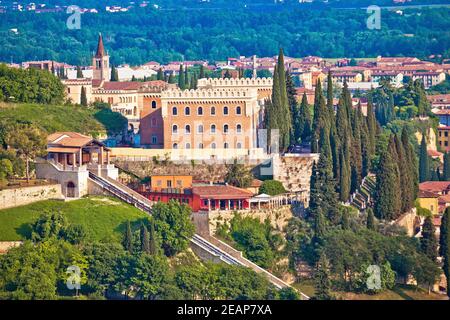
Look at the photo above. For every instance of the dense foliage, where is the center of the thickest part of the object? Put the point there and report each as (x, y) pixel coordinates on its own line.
(139, 36)
(30, 86)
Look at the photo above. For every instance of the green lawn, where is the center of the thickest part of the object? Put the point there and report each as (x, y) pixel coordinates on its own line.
(64, 118)
(399, 292)
(104, 218)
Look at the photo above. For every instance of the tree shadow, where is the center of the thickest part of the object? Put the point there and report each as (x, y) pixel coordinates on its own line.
(400, 291)
(24, 230)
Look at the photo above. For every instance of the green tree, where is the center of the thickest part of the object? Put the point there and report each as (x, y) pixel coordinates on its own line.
(29, 142)
(446, 172)
(83, 98)
(160, 75)
(370, 220)
(149, 273)
(6, 169)
(79, 73)
(145, 241)
(114, 74)
(128, 238)
(428, 242)
(424, 165)
(272, 187)
(302, 121)
(387, 197)
(172, 222)
(322, 281)
(181, 79)
(444, 246)
(238, 175)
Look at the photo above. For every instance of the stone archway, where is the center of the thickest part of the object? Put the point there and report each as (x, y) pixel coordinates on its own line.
(70, 190)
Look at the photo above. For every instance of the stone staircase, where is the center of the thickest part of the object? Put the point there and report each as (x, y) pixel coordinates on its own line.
(362, 198)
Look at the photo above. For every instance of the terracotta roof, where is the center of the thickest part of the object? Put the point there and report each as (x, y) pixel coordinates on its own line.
(434, 186)
(74, 135)
(444, 199)
(256, 183)
(221, 192)
(434, 153)
(427, 194)
(444, 112)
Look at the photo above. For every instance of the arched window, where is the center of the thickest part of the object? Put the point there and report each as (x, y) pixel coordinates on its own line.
(175, 146)
(188, 145)
(70, 190)
(213, 111)
(225, 145)
(174, 111)
(238, 110)
(213, 145)
(225, 128)
(200, 111)
(153, 104)
(187, 111)
(213, 128)
(200, 145)
(238, 128)
(200, 128)
(187, 129)
(225, 110)
(239, 145)
(175, 129)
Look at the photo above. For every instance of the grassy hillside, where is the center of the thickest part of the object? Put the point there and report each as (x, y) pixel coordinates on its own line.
(104, 218)
(63, 118)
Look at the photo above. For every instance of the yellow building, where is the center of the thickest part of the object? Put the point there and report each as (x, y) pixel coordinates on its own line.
(430, 201)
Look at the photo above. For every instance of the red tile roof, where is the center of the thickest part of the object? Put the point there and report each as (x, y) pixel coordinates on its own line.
(101, 52)
(427, 194)
(434, 186)
(221, 192)
(434, 153)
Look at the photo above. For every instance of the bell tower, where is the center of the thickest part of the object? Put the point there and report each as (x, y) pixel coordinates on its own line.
(100, 62)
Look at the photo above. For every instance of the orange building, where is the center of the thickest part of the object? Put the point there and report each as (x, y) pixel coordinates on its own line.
(210, 118)
(170, 181)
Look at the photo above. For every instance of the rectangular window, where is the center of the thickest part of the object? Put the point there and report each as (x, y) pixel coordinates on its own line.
(154, 140)
(169, 183)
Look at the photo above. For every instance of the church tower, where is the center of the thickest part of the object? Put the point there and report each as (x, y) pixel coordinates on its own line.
(100, 62)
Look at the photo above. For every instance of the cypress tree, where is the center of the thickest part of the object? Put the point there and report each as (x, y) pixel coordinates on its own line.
(171, 78)
(322, 282)
(145, 242)
(372, 127)
(284, 109)
(153, 245)
(114, 74)
(133, 78)
(303, 125)
(181, 79)
(411, 164)
(345, 220)
(404, 175)
(330, 94)
(370, 219)
(446, 172)
(387, 197)
(320, 119)
(83, 97)
(293, 106)
(128, 239)
(444, 246)
(202, 72)
(160, 75)
(428, 242)
(79, 73)
(356, 153)
(424, 166)
(344, 174)
(186, 78)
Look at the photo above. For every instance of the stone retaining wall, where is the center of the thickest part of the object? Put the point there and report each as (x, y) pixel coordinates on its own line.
(25, 195)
